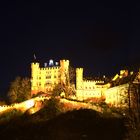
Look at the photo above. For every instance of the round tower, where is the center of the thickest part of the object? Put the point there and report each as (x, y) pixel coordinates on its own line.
(79, 78)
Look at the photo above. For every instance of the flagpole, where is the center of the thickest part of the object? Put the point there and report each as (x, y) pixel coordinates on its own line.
(34, 57)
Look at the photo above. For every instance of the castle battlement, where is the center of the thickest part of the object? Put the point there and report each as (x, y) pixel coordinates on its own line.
(43, 69)
(64, 60)
(35, 63)
(50, 68)
(89, 81)
(79, 69)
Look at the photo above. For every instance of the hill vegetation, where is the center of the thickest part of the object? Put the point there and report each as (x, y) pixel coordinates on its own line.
(73, 125)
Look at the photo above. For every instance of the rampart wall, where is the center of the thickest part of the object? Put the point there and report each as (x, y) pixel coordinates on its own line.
(23, 106)
(117, 95)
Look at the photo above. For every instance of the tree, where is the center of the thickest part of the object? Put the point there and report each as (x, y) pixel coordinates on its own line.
(58, 89)
(72, 75)
(20, 90)
(67, 89)
(53, 107)
(134, 110)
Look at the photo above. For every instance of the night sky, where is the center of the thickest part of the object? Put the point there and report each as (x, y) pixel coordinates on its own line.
(101, 37)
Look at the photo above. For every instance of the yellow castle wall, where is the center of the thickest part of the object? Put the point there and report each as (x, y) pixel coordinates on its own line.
(117, 95)
(44, 79)
(87, 88)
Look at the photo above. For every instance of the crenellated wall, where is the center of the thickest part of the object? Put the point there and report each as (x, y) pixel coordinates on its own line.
(23, 106)
(19, 106)
(88, 88)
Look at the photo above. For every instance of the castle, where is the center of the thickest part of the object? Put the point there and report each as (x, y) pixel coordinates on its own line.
(44, 79)
(115, 92)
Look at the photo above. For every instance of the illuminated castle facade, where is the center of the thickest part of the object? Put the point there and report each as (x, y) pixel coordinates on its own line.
(89, 88)
(44, 79)
(115, 92)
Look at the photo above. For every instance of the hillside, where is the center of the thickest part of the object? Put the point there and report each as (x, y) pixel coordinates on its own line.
(75, 125)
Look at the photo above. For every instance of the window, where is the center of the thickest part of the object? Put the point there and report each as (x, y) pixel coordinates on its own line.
(48, 77)
(48, 82)
(126, 101)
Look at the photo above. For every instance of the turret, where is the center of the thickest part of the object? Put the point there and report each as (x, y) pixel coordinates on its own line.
(34, 77)
(79, 78)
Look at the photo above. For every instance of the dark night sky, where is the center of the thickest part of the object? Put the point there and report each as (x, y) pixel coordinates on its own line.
(101, 37)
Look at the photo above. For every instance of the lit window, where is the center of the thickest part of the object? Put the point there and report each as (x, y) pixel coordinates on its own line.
(126, 101)
(48, 77)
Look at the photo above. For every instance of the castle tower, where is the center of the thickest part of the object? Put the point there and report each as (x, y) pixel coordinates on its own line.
(79, 78)
(34, 77)
(64, 71)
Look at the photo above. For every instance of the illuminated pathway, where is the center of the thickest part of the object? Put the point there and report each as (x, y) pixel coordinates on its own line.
(26, 105)
(23, 106)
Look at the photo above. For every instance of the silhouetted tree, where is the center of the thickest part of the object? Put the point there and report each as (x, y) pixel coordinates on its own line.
(53, 107)
(20, 90)
(68, 90)
(72, 75)
(58, 89)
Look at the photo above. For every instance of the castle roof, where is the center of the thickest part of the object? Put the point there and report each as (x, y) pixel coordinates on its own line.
(124, 80)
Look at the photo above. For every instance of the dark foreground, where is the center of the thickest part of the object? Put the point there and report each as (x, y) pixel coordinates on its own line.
(75, 125)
